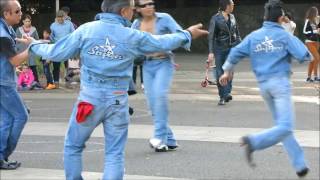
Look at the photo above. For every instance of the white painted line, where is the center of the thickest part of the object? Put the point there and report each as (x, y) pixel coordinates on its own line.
(188, 133)
(54, 174)
(184, 97)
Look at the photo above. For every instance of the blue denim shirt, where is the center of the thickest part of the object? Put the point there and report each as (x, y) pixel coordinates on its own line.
(165, 24)
(7, 70)
(107, 48)
(270, 50)
(58, 31)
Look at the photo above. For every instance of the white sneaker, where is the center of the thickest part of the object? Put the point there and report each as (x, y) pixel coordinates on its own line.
(142, 86)
(157, 145)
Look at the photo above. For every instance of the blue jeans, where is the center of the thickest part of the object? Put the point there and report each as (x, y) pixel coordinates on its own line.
(110, 100)
(47, 72)
(157, 75)
(13, 117)
(220, 59)
(276, 92)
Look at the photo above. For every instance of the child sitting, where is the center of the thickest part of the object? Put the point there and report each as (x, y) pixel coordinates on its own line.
(26, 79)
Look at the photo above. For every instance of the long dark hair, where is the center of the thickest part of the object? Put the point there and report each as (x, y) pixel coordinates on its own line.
(223, 4)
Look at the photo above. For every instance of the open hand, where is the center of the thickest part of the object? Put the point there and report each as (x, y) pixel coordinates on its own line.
(225, 78)
(27, 40)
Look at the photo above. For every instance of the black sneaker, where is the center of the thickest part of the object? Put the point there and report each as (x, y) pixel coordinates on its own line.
(248, 150)
(4, 165)
(221, 102)
(316, 79)
(309, 80)
(131, 111)
(173, 148)
(228, 98)
(303, 172)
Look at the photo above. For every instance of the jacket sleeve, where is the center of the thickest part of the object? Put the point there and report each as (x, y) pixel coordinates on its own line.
(298, 50)
(20, 79)
(31, 79)
(36, 35)
(148, 43)
(237, 54)
(211, 37)
(238, 38)
(65, 48)
(173, 26)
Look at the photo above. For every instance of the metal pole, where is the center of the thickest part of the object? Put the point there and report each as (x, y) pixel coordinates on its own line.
(57, 5)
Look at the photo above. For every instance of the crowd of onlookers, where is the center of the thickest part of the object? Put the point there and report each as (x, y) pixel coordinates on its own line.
(29, 73)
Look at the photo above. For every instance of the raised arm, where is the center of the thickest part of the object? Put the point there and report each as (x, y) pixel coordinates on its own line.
(149, 43)
(63, 49)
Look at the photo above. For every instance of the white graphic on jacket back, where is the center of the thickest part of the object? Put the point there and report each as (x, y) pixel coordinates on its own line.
(105, 51)
(267, 46)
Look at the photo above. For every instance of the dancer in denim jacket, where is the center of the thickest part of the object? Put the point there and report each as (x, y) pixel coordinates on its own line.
(270, 49)
(107, 49)
(158, 70)
(13, 112)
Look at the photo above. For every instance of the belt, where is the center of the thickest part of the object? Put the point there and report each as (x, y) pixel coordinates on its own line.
(150, 58)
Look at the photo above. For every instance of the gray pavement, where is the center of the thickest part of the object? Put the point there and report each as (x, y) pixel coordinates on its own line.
(195, 118)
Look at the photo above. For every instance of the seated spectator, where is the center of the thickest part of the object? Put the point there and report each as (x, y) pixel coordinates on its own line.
(26, 79)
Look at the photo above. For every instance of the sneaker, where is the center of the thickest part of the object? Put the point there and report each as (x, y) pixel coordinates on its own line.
(228, 98)
(142, 86)
(221, 102)
(4, 165)
(50, 86)
(131, 111)
(303, 172)
(309, 80)
(173, 148)
(157, 145)
(245, 141)
(316, 79)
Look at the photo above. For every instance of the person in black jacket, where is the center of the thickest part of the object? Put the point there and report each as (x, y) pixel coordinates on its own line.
(223, 35)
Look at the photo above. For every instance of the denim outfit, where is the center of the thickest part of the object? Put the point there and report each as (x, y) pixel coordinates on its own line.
(223, 35)
(157, 76)
(270, 49)
(106, 71)
(13, 113)
(59, 31)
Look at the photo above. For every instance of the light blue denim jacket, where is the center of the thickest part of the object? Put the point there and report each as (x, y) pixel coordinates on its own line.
(270, 50)
(58, 31)
(107, 48)
(165, 24)
(7, 70)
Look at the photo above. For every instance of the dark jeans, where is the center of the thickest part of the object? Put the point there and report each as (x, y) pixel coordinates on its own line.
(56, 71)
(47, 72)
(35, 73)
(134, 75)
(220, 58)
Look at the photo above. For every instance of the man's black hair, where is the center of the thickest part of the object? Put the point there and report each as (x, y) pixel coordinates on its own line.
(273, 9)
(66, 9)
(114, 6)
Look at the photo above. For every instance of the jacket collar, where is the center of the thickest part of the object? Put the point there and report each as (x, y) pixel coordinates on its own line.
(8, 28)
(113, 18)
(270, 24)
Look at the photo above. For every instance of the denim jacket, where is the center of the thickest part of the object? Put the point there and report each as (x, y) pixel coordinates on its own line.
(107, 48)
(58, 31)
(270, 49)
(165, 24)
(7, 70)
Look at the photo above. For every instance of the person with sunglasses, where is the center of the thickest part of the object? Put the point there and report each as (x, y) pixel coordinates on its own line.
(158, 71)
(269, 50)
(13, 112)
(107, 48)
